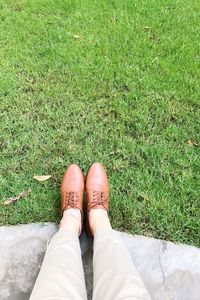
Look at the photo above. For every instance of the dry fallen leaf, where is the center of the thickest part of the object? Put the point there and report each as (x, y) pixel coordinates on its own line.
(154, 37)
(42, 178)
(77, 36)
(144, 196)
(14, 199)
(192, 143)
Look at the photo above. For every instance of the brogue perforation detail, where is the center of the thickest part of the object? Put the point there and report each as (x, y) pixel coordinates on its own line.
(71, 199)
(98, 198)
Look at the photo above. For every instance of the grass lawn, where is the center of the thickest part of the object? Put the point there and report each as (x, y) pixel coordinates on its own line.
(110, 81)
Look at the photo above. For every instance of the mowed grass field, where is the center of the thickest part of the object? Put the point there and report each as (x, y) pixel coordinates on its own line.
(109, 81)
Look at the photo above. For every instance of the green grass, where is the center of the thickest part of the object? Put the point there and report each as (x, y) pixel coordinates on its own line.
(122, 94)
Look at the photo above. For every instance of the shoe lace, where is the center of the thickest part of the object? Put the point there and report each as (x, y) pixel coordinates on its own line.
(99, 198)
(71, 199)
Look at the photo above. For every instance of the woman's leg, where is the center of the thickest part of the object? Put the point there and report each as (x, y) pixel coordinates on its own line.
(61, 275)
(115, 276)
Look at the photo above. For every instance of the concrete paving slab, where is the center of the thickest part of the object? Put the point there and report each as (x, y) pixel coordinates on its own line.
(169, 271)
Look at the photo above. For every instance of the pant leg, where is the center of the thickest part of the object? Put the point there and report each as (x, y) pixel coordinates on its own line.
(61, 275)
(115, 276)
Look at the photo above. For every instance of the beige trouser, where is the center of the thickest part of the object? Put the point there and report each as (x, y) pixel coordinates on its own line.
(62, 277)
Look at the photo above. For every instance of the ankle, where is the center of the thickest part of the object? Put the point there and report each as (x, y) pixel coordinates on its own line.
(98, 219)
(71, 220)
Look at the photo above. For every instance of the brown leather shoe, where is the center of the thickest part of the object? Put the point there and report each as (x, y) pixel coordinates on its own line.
(97, 189)
(72, 189)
